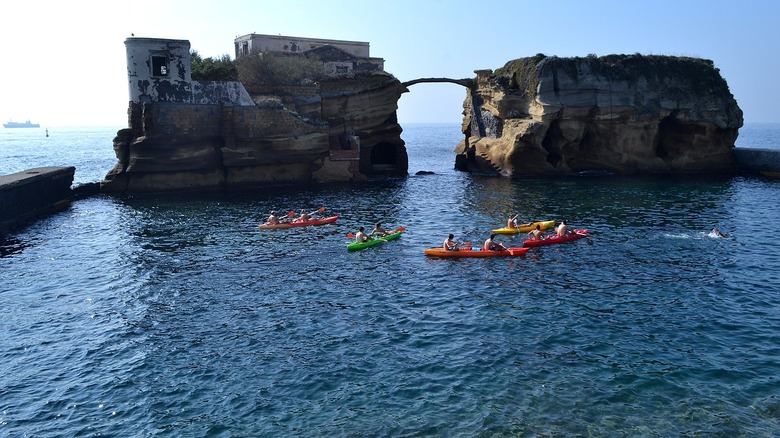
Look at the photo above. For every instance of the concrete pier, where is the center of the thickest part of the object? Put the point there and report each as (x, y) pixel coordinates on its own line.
(763, 161)
(27, 195)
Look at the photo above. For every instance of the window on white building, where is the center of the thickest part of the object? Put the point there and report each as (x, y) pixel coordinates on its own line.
(159, 65)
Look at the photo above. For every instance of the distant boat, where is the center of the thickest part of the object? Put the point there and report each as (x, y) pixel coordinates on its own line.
(26, 124)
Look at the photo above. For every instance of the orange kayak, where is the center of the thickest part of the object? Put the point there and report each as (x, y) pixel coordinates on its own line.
(468, 252)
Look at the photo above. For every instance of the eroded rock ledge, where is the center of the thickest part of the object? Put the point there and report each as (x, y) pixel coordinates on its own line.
(232, 137)
(620, 114)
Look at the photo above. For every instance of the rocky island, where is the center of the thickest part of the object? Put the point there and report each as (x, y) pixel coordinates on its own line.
(623, 114)
(535, 116)
(187, 134)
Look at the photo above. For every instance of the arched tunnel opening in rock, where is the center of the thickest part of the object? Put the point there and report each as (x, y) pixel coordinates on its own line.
(383, 153)
(384, 158)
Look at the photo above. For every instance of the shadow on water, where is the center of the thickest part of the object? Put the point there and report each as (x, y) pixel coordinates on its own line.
(11, 245)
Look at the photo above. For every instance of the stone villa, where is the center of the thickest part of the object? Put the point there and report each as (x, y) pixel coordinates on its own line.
(339, 57)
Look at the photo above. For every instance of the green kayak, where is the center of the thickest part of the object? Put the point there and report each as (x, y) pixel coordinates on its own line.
(355, 246)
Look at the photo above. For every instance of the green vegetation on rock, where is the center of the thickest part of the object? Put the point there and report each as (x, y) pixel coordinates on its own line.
(209, 69)
(700, 75)
(274, 68)
(521, 73)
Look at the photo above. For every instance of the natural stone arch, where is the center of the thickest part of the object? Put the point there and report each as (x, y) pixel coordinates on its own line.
(468, 83)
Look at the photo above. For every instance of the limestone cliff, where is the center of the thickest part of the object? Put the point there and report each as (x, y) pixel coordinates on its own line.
(337, 130)
(619, 113)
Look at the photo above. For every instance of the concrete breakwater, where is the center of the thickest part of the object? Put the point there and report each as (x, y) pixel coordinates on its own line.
(27, 195)
(763, 161)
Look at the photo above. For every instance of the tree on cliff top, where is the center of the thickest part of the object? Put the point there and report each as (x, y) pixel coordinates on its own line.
(209, 69)
(274, 68)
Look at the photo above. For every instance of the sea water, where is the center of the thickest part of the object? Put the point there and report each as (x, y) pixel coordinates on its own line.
(177, 316)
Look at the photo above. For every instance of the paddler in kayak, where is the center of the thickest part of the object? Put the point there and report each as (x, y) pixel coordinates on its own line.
(511, 222)
(303, 217)
(273, 219)
(378, 230)
(491, 245)
(361, 236)
(563, 229)
(450, 244)
(536, 234)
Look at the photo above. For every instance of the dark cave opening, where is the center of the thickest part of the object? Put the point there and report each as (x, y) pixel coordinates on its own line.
(674, 137)
(383, 153)
(552, 144)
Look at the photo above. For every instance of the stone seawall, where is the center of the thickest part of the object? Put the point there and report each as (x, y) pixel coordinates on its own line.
(27, 195)
(764, 161)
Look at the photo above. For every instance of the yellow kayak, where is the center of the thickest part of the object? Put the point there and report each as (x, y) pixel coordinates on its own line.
(524, 228)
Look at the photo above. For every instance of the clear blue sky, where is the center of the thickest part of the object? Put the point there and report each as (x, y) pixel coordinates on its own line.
(64, 62)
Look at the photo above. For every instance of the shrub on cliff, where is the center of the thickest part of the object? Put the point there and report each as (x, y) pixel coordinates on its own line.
(209, 69)
(700, 75)
(274, 68)
(521, 74)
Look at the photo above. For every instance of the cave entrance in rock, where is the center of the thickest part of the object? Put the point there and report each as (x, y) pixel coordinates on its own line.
(383, 158)
(675, 137)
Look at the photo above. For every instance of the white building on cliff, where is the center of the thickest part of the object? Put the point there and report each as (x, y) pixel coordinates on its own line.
(339, 57)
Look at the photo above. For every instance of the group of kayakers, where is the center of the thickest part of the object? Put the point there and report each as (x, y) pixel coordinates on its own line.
(362, 236)
(292, 217)
(490, 244)
(274, 219)
(562, 230)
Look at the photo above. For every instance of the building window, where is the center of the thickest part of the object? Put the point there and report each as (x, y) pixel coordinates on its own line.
(245, 48)
(159, 66)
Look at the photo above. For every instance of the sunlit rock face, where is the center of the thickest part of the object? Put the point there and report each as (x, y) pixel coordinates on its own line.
(339, 130)
(624, 114)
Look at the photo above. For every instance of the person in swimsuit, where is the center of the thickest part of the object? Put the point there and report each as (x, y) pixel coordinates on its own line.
(273, 219)
(379, 230)
(361, 235)
(563, 229)
(717, 233)
(303, 217)
(491, 245)
(450, 244)
(537, 233)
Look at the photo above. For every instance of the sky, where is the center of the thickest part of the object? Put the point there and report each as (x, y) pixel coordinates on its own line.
(64, 63)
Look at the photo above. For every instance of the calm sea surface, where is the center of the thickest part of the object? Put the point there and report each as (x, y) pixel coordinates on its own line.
(177, 316)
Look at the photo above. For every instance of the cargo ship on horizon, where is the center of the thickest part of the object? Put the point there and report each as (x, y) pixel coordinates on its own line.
(26, 124)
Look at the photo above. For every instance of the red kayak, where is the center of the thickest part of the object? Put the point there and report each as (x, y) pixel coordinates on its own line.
(468, 252)
(299, 223)
(576, 234)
